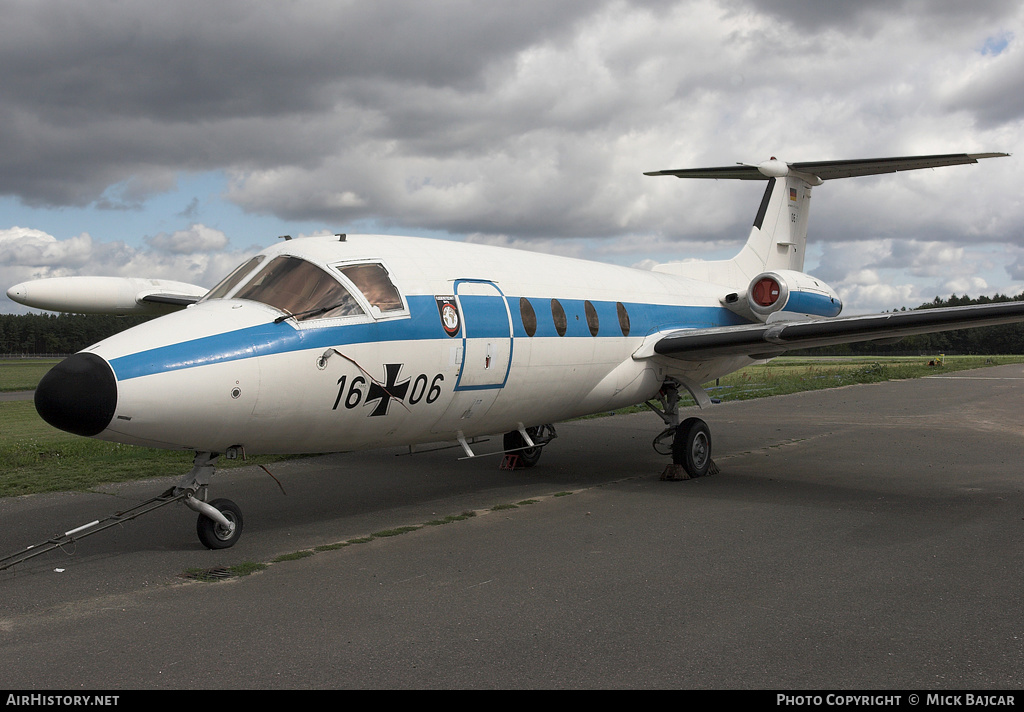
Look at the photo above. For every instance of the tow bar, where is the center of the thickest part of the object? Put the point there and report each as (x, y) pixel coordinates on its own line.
(174, 494)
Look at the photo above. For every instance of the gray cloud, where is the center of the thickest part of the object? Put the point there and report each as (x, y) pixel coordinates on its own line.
(197, 238)
(524, 121)
(92, 94)
(993, 91)
(192, 61)
(868, 16)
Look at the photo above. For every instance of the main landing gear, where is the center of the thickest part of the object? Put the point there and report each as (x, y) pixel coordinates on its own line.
(691, 447)
(688, 442)
(527, 444)
(219, 524)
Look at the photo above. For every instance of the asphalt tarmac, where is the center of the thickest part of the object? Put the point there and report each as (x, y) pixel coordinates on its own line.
(867, 537)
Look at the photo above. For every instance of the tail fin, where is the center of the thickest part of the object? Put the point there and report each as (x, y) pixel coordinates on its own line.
(779, 236)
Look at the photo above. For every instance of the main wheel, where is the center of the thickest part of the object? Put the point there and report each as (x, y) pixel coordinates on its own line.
(514, 441)
(691, 447)
(213, 534)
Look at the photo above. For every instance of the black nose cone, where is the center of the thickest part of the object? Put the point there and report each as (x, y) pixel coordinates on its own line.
(78, 395)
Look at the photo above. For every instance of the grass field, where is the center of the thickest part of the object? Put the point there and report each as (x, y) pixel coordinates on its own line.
(791, 374)
(22, 374)
(38, 458)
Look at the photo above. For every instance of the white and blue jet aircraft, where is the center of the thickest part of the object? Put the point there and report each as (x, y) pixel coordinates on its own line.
(346, 342)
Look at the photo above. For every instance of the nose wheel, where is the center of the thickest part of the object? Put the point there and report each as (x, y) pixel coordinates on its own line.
(223, 532)
(220, 522)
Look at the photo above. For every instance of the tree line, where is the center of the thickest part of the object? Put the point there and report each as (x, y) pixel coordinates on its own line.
(26, 334)
(29, 334)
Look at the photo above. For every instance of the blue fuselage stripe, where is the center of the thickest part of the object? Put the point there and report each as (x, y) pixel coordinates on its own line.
(423, 323)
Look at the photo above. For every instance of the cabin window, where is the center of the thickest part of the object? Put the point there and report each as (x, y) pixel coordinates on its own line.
(593, 323)
(232, 280)
(528, 315)
(558, 315)
(374, 282)
(623, 317)
(300, 288)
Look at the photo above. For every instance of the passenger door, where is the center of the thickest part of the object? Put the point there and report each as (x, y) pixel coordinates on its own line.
(486, 336)
(486, 354)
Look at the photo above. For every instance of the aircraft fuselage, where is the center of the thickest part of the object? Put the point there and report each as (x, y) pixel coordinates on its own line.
(481, 340)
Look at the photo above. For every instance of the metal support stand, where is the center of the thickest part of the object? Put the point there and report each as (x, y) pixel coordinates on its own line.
(510, 461)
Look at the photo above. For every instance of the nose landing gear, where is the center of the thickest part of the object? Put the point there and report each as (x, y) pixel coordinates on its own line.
(220, 532)
(219, 525)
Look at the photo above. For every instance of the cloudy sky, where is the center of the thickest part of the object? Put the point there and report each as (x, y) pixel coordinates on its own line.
(175, 138)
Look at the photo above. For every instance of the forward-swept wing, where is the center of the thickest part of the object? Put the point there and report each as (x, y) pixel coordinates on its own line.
(774, 338)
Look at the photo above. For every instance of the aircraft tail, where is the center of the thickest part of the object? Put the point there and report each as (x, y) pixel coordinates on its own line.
(778, 238)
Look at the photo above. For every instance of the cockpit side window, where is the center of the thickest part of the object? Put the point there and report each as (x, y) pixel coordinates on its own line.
(298, 287)
(374, 282)
(232, 280)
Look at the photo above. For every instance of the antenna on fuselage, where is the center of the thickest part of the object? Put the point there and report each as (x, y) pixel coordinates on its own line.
(284, 237)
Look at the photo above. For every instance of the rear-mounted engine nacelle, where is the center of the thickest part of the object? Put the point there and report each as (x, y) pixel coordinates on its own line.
(785, 290)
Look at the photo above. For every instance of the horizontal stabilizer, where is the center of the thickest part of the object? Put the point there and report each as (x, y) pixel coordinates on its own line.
(827, 170)
(772, 339)
(778, 238)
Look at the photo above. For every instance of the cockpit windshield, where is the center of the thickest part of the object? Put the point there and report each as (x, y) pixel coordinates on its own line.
(232, 280)
(300, 288)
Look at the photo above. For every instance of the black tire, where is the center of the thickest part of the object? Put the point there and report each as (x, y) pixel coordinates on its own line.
(691, 447)
(212, 534)
(514, 440)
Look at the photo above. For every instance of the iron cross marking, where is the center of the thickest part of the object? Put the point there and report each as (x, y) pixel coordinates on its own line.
(390, 389)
